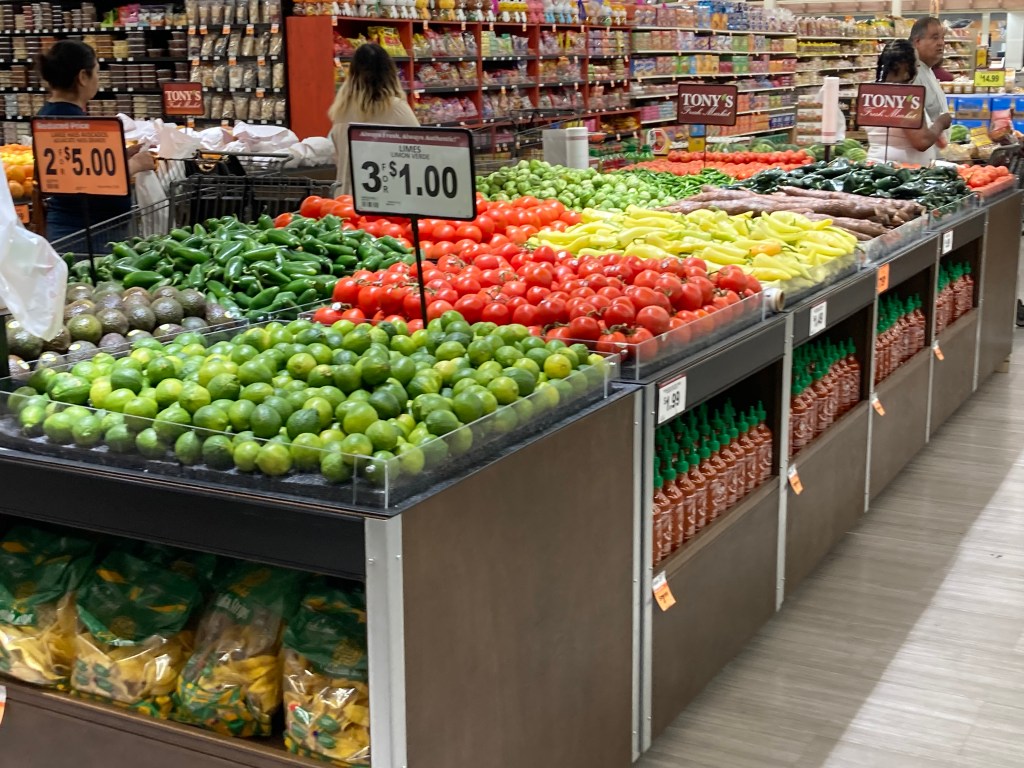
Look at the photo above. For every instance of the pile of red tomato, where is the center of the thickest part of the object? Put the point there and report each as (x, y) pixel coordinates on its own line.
(496, 224)
(738, 165)
(609, 301)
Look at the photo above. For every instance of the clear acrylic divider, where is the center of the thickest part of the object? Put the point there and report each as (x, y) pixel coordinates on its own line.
(949, 215)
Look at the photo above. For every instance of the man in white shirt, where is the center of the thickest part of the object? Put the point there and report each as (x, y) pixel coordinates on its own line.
(929, 40)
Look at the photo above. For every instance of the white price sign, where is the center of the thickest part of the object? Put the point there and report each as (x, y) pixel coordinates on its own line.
(671, 399)
(400, 171)
(947, 241)
(818, 318)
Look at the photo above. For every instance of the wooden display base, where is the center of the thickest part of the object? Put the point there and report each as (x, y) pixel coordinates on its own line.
(834, 473)
(724, 585)
(953, 376)
(903, 431)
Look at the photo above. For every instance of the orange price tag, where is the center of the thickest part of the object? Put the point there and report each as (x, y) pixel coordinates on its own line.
(202, 29)
(938, 351)
(195, 62)
(192, 30)
(23, 213)
(225, 30)
(250, 29)
(882, 282)
(81, 155)
(662, 592)
(261, 60)
(794, 480)
(274, 28)
(232, 61)
(877, 405)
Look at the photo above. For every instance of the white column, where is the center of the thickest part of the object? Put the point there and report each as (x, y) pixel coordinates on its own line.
(1014, 40)
(986, 23)
(770, 4)
(897, 8)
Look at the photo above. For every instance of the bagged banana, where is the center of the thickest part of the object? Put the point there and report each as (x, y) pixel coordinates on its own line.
(39, 573)
(326, 691)
(133, 636)
(232, 682)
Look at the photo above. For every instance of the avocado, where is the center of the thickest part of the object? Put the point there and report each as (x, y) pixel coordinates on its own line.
(194, 324)
(217, 315)
(136, 294)
(167, 310)
(20, 370)
(85, 328)
(168, 331)
(114, 343)
(110, 301)
(79, 351)
(107, 286)
(80, 307)
(58, 343)
(192, 302)
(78, 291)
(113, 321)
(165, 291)
(50, 359)
(140, 317)
(23, 344)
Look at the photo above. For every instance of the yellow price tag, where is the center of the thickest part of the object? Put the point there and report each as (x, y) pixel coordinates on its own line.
(990, 78)
(696, 144)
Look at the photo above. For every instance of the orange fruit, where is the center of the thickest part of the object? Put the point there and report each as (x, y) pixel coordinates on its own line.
(17, 191)
(16, 174)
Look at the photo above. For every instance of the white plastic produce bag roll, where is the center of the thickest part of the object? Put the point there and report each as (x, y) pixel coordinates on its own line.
(833, 124)
(577, 148)
(33, 278)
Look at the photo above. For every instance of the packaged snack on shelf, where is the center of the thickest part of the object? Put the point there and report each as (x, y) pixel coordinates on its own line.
(232, 682)
(248, 46)
(326, 691)
(220, 46)
(133, 637)
(39, 573)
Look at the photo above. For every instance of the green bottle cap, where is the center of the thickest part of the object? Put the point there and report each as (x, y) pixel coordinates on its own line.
(670, 475)
(705, 452)
(658, 481)
(694, 459)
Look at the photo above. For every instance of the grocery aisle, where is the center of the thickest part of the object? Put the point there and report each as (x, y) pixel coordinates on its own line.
(906, 648)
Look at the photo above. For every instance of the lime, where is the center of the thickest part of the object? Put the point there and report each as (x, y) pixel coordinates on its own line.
(274, 460)
(507, 355)
(210, 418)
(245, 455)
(253, 372)
(323, 408)
(57, 428)
(504, 389)
(119, 439)
(331, 437)
(239, 413)
(557, 366)
(487, 398)
(571, 356)
(410, 458)
(31, 419)
(384, 436)
(306, 449)
(168, 391)
(504, 420)
(524, 379)
(356, 445)
(564, 390)
(386, 405)
(188, 448)
(374, 371)
(380, 468)
(214, 367)
(264, 421)
(359, 418)
(441, 422)
(468, 407)
(459, 441)
(282, 405)
(538, 355)
(434, 449)
(218, 452)
(100, 390)
(149, 444)
(332, 395)
(243, 353)
(224, 386)
(305, 421)
(300, 365)
(424, 404)
(427, 381)
(321, 376)
(297, 398)
(171, 423)
(335, 468)
(403, 370)
(139, 413)
(449, 350)
(546, 397)
(322, 353)
(19, 398)
(257, 392)
(194, 396)
(109, 419)
(126, 378)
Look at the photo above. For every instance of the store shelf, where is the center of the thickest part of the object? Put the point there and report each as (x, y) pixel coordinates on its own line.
(656, 120)
(787, 108)
(902, 432)
(704, 30)
(768, 90)
(725, 138)
(953, 376)
(841, 300)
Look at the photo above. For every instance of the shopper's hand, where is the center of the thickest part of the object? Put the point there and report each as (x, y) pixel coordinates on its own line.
(943, 121)
(143, 161)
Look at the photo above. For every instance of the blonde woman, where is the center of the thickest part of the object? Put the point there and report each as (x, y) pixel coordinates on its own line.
(370, 94)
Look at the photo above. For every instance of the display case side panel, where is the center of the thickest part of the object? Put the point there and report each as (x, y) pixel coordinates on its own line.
(953, 376)
(518, 591)
(999, 284)
(897, 436)
(310, 74)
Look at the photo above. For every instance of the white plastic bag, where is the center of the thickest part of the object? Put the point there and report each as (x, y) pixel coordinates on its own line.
(151, 198)
(33, 278)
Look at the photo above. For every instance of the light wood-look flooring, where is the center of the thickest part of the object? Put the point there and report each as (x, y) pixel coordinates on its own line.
(906, 648)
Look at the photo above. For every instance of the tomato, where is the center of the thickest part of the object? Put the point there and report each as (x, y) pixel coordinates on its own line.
(590, 268)
(584, 328)
(393, 299)
(327, 315)
(559, 332)
(693, 261)
(369, 299)
(469, 232)
(525, 314)
(732, 278)
(690, 297)
(515, 301)
(596, 282)
(283, 220)
(671, 265)
(518, 235)
(514, 288)
(671, 286)
(643, 297)
(496, 313)
(648, 278)
(640, 335)
(571, 218)
(525, 202)
(466, 284)
(355, 314)
(450, 264)
(535, 294)
(544, 253)
(610, 343)
(610, 292)
(538, 274)
(654, 319)
(444, 231)
(470, 307)
(346, 290)
(486, 261)
(486, 226)
(556, 308)
(310, 207)
(753, 285)
(440, 249)
(437, 308)
(707, 288)
(620, 313)
(411, 305)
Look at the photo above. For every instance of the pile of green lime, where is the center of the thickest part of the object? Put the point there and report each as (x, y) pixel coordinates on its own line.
(300, 397)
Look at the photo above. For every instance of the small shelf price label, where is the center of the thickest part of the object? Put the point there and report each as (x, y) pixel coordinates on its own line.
(671, 398)
(794, 480)
(947, 241)
(882, 281)
(938, 351)
(817, 319)
(398, 171)
(3, 701)
(23, 213)
(990, 78)
(80, 155)
(877, 405)
(662, 592)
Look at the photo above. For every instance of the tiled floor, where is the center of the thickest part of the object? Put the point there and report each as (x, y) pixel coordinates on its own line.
(906, 648)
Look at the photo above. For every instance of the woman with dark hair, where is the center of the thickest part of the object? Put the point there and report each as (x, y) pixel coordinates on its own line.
(371, 93)
(897, 64)
(71, 73)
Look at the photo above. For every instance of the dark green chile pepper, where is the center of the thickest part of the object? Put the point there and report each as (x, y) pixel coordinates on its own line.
(243, 300)
(300, 269)
(265, 297)
(300, 285)
(233, 269)
(280, 237)
(260, 254)
(180, 234)
(271, 273)
(217, 288)
(142, 279)
(195, 276)
(148, 260)
(231, 249)
(307, 297)
(123, 251)
(265, 222)
(193, 255)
